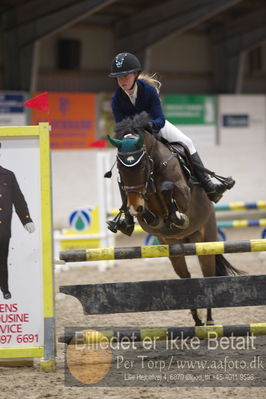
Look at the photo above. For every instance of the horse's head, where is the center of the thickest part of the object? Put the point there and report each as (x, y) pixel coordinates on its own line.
(134, 163)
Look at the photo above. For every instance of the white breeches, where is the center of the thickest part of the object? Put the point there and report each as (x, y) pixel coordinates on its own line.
(171, 133)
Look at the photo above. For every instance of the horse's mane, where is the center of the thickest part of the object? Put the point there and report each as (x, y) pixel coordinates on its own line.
(135, 125)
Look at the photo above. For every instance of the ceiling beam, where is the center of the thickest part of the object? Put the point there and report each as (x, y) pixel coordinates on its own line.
(50, 19)
(250, 29)
(30, 11)
(230, 44)
(24, 26)
(158, 23)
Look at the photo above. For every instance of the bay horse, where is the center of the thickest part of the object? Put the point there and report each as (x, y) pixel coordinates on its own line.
(164, 200)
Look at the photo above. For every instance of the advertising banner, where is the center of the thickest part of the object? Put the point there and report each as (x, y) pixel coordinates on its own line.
(190, 109)
(73, 120)
(26, 277)
(194, 115)
(12, 111)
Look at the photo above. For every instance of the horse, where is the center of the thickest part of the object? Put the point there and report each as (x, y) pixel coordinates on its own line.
(164, 200)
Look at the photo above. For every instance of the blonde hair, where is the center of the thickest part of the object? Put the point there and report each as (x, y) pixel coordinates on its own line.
(151, 79)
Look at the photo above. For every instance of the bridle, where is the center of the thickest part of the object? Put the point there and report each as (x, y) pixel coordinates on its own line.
(149, 164)
(151, 168)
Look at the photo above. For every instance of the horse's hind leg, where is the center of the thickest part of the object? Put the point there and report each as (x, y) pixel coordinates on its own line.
(208, 267)
(180, 267)
(208, 262)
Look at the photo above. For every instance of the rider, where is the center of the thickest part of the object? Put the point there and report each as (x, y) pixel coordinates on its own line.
(134, 95)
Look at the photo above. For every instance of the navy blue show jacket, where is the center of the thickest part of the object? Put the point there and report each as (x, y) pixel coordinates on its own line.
(147, 100)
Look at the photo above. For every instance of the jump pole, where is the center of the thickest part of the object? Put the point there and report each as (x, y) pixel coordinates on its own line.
(164, 333)
(238, 223)
(156, 251)
(240, 206)
(232, 206)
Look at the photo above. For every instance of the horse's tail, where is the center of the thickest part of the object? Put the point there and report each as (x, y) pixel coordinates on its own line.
(224, 268)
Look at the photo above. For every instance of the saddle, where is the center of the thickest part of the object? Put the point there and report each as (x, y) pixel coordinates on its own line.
(183, 154)
(189, 166)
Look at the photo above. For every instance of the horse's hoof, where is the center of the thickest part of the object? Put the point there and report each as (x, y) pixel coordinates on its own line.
(180, 220)
(186, 222)
(210, 323)
(174, 227)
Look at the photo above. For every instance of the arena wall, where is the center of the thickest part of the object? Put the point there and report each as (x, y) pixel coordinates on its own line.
(241, 154)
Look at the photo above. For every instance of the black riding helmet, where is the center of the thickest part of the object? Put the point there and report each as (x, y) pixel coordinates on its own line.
(123, 64)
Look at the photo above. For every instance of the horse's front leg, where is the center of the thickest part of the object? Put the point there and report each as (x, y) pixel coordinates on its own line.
(149, 217)
(180, 267)
(176, 216)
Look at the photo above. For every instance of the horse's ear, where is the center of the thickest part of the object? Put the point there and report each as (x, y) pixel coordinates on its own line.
(113, 141)
(140, 140)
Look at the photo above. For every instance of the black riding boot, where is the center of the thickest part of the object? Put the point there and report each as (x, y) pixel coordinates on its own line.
(214, 191)
(125, 225)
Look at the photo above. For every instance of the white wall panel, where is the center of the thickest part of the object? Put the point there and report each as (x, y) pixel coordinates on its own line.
(253, 107)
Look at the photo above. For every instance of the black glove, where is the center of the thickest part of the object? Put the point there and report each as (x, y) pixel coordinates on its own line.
(149, 128)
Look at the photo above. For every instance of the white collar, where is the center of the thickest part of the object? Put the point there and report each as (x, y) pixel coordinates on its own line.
(133, 96)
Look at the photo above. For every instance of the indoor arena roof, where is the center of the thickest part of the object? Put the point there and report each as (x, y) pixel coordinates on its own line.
(113, 12)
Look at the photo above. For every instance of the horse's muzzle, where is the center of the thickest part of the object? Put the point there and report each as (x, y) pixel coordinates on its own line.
(135, 211)
(135, 203)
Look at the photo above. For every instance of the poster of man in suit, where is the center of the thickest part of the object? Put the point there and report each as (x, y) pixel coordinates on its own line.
(20, 237)
(26, 266)
(11, 197)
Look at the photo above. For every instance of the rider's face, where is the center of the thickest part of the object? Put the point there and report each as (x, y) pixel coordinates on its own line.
(126, 82)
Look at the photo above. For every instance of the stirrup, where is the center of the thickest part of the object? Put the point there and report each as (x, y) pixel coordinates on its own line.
(228, 182)
(113, 224)
(121, 225)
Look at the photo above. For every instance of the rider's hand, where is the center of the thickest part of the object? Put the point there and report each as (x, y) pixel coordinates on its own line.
(149, 128)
